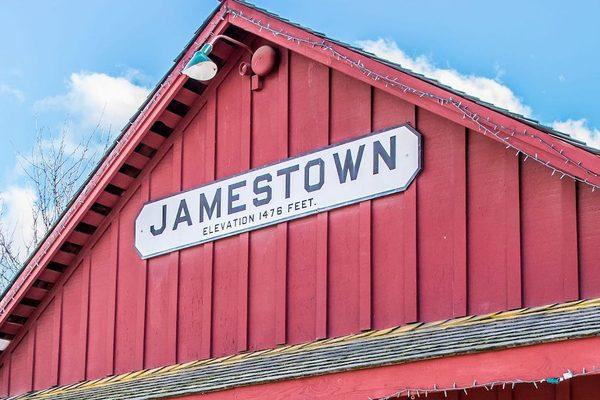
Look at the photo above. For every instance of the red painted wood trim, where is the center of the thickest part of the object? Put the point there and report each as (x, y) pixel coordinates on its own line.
(529, 144)
(570, 259)
(5, 384)
(321, 276)
(365, 265)
(527, 363)
(459, 169)
(141, 320)
(85, 320)
(322, 257)
(244, 238)
(176, 255)
(56, 347)
(112, 297)
(208, 257)
(505, 394)
(282, 229)
(410, 253)
(563, 391)
(513, 241)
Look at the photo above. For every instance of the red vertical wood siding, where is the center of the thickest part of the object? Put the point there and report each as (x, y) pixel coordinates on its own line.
(394, 255)
(441, 219)
(479, 230)
(494, 276)
(308, 102)
(195, 268)
(269, 144)
(21, 366)
(588, 234)
(47, 335)
(131, 291)
(101, 320)
(74, 315)
(350, 115)
(161, 289)
(4, 378)
(228, 273)
(549, 239)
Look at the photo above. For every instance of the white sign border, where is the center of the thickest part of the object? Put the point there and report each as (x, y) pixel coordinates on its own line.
(296, 216)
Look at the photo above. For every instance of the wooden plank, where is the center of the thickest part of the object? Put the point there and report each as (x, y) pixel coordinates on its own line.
(493, 224)
(394, 235)
(161, 293)
(588, 222)
(131, 290)
(4, 377)
(103, 280)
(229, 275)
(563, 391)
(307, 237)
(548, 245)
(244, 238)
(73, 338)
(282, 229)
(441, 219)
(195, 268)
(208, 266)
(47, 342)
(175, 256)
(21, 366)
(364, 261)
(348, 118)
(266, 301)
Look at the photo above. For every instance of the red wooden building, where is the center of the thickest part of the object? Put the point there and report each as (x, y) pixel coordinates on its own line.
(480, 277)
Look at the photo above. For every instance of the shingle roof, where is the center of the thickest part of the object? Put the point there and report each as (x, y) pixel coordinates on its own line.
(526, 120)
(405, 344)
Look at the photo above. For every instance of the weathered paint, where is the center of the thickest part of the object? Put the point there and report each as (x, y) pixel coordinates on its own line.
(479, 230)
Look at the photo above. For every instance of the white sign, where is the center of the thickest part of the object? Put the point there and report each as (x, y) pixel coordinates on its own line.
(370, 166)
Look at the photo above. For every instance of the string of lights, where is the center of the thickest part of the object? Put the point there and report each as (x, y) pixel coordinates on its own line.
(483, 124)
(425, 392)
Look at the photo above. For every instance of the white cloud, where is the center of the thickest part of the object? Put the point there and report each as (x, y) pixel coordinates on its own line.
(17, 218)
(487, 89)
(579, 129)
(13, 92)
(98, 99)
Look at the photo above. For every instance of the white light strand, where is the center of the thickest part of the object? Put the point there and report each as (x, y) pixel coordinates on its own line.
(485, 125)
(425, 392)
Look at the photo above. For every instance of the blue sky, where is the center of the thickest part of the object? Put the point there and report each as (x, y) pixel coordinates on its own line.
(93, 61)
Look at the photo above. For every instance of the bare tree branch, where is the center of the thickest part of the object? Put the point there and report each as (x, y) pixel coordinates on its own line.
(54, 169)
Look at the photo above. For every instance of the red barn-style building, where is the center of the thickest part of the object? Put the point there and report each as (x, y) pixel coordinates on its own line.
(473, 272)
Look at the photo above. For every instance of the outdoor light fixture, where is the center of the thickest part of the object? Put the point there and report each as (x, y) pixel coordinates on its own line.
(200, 66)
